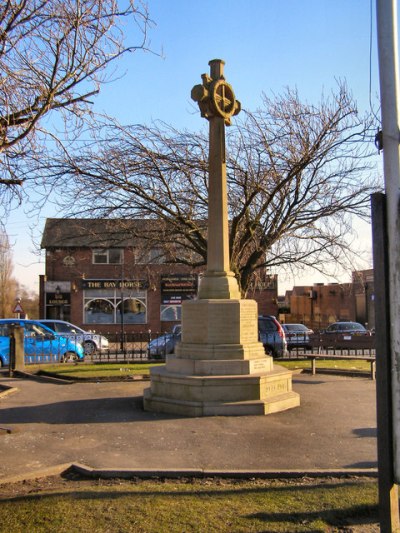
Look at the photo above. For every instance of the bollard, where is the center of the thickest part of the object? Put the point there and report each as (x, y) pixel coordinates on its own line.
(11, 364)
(17, 352)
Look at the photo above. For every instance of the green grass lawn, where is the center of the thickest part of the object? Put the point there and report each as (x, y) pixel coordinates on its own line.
(340, 364)
(90, 371)
(190, 505)
(122, 370)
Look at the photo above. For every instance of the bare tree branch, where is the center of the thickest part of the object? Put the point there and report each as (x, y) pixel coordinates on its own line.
(296, 174)
(54, 57)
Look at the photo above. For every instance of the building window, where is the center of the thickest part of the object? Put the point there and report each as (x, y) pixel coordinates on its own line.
(154, 256)
(99, 311)
(171, 313)
(104, 307)
(157, 256)
(134, 311)
(107, 256)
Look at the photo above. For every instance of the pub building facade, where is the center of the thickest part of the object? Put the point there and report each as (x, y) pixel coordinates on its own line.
(100, 275)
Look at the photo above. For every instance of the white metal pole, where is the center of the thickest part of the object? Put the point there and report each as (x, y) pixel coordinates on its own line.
(389, 89)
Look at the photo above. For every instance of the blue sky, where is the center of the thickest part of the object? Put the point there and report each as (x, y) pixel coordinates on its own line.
(267, 45)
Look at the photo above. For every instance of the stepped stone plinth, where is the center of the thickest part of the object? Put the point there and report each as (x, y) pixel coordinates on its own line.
(220, 367)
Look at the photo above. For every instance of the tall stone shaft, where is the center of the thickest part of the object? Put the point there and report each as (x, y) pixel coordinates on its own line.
(218, 237)
(217, 103)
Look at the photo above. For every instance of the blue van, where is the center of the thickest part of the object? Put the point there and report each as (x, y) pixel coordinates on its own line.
(41, 344)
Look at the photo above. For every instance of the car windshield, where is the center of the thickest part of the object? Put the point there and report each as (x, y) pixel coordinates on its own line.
(5, 329)
(31, 330)
(162, 338)
(347, 326)
(266, 326)
(60, 327)
(295, 327)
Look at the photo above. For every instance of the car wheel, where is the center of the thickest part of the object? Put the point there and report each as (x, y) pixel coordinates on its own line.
(69, 357)
(89, 347)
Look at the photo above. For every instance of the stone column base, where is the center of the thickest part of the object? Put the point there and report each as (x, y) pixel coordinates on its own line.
(220, 367)
(261, 394)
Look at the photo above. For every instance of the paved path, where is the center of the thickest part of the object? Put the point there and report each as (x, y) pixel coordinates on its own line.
(103, 426)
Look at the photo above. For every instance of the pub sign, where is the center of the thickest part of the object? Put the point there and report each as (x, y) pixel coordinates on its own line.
(177, 288)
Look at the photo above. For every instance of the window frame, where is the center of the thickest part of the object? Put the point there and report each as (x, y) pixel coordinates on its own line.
(107, 253)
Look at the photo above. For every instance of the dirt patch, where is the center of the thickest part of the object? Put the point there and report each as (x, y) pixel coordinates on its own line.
(72, 480)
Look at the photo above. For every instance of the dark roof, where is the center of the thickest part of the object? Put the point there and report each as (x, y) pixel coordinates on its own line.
(92, 233)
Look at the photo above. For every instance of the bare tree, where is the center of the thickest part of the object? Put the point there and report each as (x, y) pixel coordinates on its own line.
(54, 56)
(29, 301)
(297, 173)
(7, 282)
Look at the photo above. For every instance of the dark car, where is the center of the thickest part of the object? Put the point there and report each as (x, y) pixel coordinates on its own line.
(272, 335)
(165, 344)
(344, 335)
(347, 328)
(297, 336)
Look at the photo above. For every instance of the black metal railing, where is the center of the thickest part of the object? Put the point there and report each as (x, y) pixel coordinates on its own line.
(331, 344)
(134, 347)
(126, 347)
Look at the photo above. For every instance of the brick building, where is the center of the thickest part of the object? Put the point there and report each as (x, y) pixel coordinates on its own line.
(100, 274)
(364, 292)
(320, 304)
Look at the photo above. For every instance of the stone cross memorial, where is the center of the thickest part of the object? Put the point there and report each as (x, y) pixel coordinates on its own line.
(219, 367)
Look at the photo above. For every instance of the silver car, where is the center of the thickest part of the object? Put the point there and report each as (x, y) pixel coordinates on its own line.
(91, 342)
(297, 336)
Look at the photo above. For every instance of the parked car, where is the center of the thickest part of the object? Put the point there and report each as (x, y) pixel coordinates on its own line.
(270, 332)
(344, 335)
(41, 344)
(272, 335)
(91, 342)
(297, 336)
(347, 328)
(165, 344)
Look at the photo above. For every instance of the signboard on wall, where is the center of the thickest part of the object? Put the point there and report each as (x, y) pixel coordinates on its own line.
(127, 284)
(177, 288)
(58, 298)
